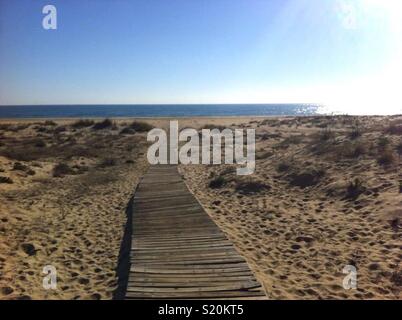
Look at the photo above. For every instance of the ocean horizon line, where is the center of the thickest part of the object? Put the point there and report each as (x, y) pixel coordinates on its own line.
(161, 104)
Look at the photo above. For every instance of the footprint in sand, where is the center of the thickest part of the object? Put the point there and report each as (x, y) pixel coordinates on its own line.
(83, 281)
(5, 291)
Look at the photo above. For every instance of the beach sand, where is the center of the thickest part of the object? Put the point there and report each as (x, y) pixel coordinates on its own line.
(303, 216)
(298, 220)
(74, 221)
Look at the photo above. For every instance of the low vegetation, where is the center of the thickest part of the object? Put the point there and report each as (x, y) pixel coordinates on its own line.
(353, 149)
(249, 186)
(40, 143)
(22, 167)
(140, 126)
(127, 130)
(325, 135)
(13, 127)
(383, 142)
(386, 158)
(394, 129)
(108, 162)
(283, 166)
(355, 189)
(62, 169)
(7, 180)
(83, 123)
(217, 182)
(306, 177)
(263, 154)
(291, 140)
(105, 124)
(50, 123)
(355, 132)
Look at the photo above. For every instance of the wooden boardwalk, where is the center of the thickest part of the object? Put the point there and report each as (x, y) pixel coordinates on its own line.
(177, 251)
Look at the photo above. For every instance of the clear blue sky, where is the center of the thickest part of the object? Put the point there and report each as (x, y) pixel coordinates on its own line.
(196, 51)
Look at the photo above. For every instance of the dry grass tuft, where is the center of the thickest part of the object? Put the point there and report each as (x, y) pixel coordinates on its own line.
(141, 126)
(217, 182)
(62, 169)
(83, 123)
(7, 180)
(355, 189)
(249, 186)
(386, 158)
(105, 124)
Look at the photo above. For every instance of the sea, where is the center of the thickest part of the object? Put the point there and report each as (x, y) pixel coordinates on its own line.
(157, 110)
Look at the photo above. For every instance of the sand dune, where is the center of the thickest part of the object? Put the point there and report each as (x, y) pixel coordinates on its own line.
(304, 222)
(74, 221)
(326, 193)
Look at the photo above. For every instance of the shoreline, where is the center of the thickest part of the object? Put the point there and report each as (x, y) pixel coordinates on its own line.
(16, 119)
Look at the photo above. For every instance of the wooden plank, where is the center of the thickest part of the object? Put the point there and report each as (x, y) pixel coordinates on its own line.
(185, 239)
(193, 295)
(183, 256)
(177, 251)
(174, 289)
(184, 276)
(154, 246)
(208, 266)
(197, 261)
(189, 281)
(172, 235)
(175, 208)
(193, 250)
(181, 284)
(186, 271)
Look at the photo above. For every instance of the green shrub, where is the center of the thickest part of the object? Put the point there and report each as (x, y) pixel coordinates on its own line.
(306, 178)
(283, 167)
(141, 126)
(383, 142)
(249, 186)
(326, 135)
(60, 129)
(355, 132)
(7, 180)
(39, 143)
(108, 162)
(107, 123)
(354, 189)
(62, 169)
(263, 155)
(295, 139)
(83, 123)
(50, 123)
(19, 166)
(127, 130)
(354, 150)
(217, 182)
